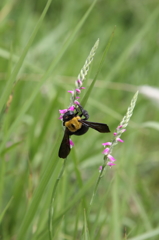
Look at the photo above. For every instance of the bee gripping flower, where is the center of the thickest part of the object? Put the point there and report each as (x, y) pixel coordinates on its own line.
(81, 77)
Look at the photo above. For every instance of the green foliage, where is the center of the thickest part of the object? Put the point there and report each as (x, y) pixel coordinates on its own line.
(42, 50)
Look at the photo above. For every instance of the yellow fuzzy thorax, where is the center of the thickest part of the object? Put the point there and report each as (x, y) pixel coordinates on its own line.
(73, 125)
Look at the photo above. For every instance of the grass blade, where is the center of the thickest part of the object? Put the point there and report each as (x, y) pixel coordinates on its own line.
(5, 209)
(86, 232)
(17, 67)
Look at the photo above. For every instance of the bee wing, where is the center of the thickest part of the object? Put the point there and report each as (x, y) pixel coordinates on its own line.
(65, 145)
(100, 127)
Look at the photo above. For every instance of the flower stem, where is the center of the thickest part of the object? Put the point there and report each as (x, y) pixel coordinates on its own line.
(96, 186)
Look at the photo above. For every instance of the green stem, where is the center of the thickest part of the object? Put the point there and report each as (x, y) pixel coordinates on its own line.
(52, 200)
(96, 186)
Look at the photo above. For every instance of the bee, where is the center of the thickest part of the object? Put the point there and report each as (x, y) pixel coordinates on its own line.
(76, 125)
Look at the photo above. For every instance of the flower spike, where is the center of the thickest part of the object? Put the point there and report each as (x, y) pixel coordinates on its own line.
(108, 158)
(79, 82)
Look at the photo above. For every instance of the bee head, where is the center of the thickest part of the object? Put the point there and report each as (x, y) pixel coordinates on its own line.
(68, 116)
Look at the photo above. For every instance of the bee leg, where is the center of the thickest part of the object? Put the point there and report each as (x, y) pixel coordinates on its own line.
(83, 113)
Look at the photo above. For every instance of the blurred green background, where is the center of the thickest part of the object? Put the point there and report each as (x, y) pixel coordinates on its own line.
(126, 204)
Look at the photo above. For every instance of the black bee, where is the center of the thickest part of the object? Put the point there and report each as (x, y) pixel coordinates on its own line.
(75, 125)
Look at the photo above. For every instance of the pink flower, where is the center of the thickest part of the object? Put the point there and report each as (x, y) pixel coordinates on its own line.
(111, 158)
(72, 92)
(106, 151)
(82, 87)
(120, 126)
(119, 140)
(72, 108)
(63, 111)
(78, 90)
(61, 117)
(100, 168)
(115, 133)
(76, 102)
(107, 144)
(71, 143)
(110, 164)
(77, 97)
(79, 82)
(123, 130)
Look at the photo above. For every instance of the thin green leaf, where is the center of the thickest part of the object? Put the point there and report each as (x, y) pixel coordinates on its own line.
(77, 222)
(147, 235)
(86, 232)
(116, 223)
(15, 58)
(53, 199)
(151, 124)
(8, 149)
(5, 209)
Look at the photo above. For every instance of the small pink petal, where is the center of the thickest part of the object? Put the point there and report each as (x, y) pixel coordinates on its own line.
(107, 144)
(119, 140)
(78, 90)
(79, 82)
(120, 126)
(77, 97)
(72, 92)
(82, 87)
(106, 151)
(63, 111)
(76, 102)
(61, 117)
(72, 108)
(110, 164)
(123, 130)
(101, 168)
(111, 158)
(115, 133)
(71, 143)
